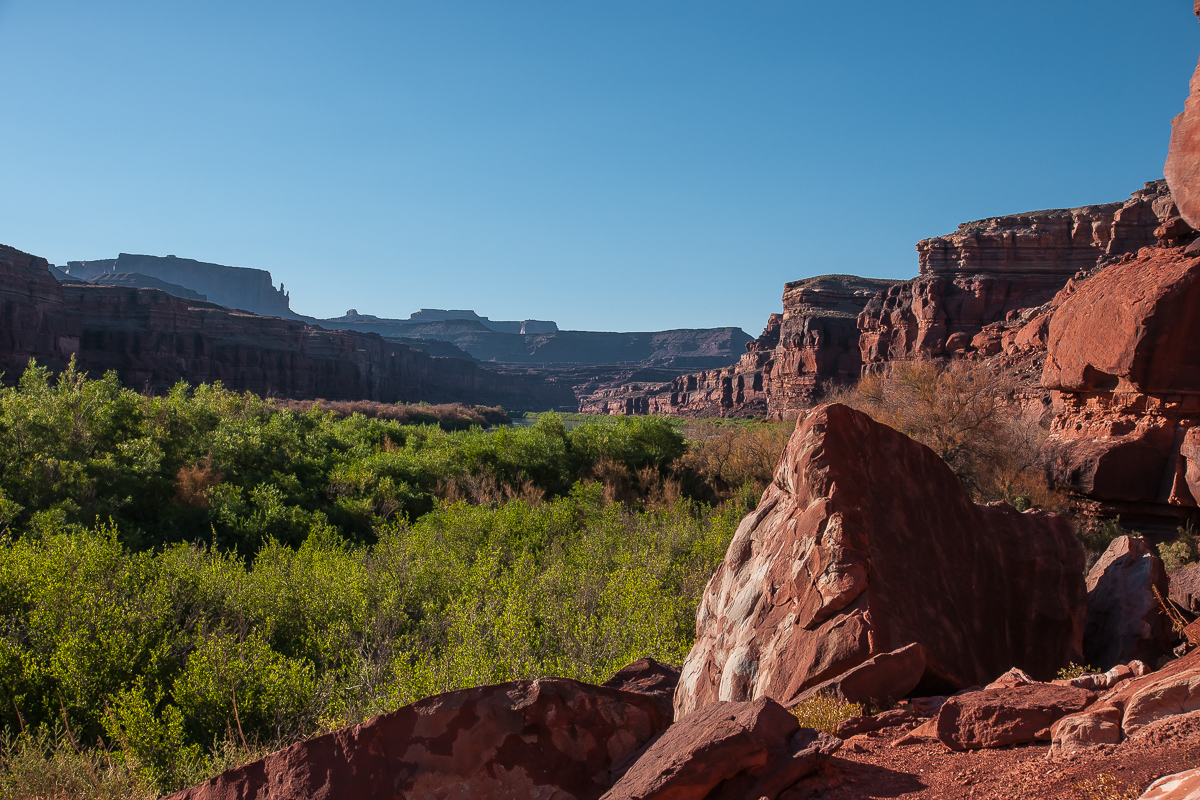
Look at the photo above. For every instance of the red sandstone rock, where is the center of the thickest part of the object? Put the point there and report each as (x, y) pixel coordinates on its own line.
(1000, 717)
(1182, 169)
(1129, 329)
(548, 738)
(1127, 376)
(878, 680)
(649, 677)
(1124, 618)
(989, 269)
(1078, 732)
(1180, 786)
(1185, 588)
(866, 542)
(726, 751)
(801, 353)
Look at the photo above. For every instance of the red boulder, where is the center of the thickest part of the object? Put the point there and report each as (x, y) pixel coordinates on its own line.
(726, 751)
(1124, 618)
(547, 738)
(1000, 717)
(865, 543)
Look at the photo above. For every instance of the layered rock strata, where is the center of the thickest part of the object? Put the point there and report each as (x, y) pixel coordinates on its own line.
(233, 287)
(989, 270)
(811, 346)
(154, 340)
(846, 558)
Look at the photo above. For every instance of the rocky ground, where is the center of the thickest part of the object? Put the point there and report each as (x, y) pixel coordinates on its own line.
(869, 767)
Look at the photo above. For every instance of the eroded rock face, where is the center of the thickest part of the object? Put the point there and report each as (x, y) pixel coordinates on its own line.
(1182, 169)
(1133, 707)
(1124, 619)
(1180, 786)
(552, 738)
(726, 751)
(866, 542)
(1122, 360)
(1185, 588)
(988, 271)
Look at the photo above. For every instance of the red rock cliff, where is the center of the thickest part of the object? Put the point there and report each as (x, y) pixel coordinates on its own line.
(991, 269)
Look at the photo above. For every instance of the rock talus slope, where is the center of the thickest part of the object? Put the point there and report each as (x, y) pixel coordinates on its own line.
(847, 558)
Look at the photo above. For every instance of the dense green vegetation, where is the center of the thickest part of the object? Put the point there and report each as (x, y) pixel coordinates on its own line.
(186, 580)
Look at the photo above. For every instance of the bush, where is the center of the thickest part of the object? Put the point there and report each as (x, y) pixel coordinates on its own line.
(967, 414)
(1179, 553)
(825, 712)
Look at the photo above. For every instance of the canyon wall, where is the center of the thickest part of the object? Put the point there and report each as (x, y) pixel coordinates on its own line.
(153, 340)
(811, 346)
(977, 292)
(987, 271)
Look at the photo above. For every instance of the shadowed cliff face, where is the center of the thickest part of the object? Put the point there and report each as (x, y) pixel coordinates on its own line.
(153, 340)
(233, 287)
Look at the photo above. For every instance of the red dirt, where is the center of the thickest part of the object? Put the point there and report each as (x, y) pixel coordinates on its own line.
(868, 767)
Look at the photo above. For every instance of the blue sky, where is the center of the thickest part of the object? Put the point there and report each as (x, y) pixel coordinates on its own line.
(613, 166)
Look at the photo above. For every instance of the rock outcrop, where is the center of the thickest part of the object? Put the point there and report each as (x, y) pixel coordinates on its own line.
(154, 340)
(1125, 373)
(726, 751)
(988, 271)
(1124, 618)
(848, 556)
(1133, 707)
(1182, 169)
(1005, 716)
(548, 738)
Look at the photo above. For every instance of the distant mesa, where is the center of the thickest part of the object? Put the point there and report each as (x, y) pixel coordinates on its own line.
(241, 288)
(523, 327)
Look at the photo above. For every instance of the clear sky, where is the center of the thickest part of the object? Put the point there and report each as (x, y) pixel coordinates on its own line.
(610, 165)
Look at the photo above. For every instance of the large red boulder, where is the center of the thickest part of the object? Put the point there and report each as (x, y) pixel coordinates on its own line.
(1131, 328)
(547, 738)
(1004, 716)
(726, 751)
(1124, 617)
(864, 543)
(1121, 355)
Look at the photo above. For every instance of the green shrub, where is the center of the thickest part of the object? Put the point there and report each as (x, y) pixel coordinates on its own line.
(825, 712)
(1179, 553)
(1074, 670)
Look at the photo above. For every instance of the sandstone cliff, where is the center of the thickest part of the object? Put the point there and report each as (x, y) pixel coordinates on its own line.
(153, 340)
(987, 271)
